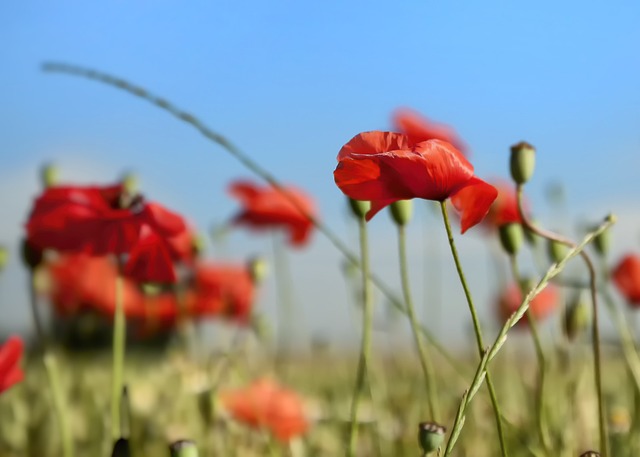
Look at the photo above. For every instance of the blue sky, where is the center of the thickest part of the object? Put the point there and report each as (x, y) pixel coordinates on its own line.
(290, 82)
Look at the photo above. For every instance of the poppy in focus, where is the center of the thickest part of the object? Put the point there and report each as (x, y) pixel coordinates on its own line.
(264, 404)
(268, 208)
(384, 167)
(540, 307)
(418, 128)
(626, 277)
(10, 371)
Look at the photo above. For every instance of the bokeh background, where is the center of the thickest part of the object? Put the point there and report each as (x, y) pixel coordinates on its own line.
(289, 83)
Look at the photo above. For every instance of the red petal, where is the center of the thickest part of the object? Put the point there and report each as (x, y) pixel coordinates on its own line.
(374, 142)
(10, 353)
(418, 128)
(626, 276)
(150, 260)
(244, 191)
(166, 222)
(473, 201)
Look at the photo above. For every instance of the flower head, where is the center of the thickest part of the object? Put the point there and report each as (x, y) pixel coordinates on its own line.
(384, 167)
(10, 371)
(504, 209)
(418, 128)
(264, 404)
(540, 307)
(626, 277)
(268, 208)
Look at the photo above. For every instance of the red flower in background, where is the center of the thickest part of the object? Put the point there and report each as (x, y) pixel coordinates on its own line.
(264, 404)
(626, 276)
(223, 289)
(540, 307)
(384, 167)
(418, 128)
(10, 371)
(268, 208)
(107, 220)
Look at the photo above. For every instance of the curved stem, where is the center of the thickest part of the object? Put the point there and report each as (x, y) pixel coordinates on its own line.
(253, 167)
(542, 363)
(423, 350)
(476, 327)
(365, 345)
(602, 425)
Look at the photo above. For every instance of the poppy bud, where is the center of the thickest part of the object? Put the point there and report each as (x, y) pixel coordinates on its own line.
(577, 318)
(602, 242)
(511, 237)
(258, 269)
(31, 255)
(121, 448)
(401, 212)
(49, 175)
(430, 435)
(523, 162)
(359, 208)
(556, 250)
(590, 454)
(183, 448)
(4, 257)
(205, 406)
(130, 183)
(197, 245)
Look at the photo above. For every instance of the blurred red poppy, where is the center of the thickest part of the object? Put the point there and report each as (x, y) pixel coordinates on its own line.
(267, 208)
(540, 307)
(107, 220)
(223, 290)
(418, 128)
(264, 404)
(504, 209)
(10, 371)
(626, 276)
(384, 167)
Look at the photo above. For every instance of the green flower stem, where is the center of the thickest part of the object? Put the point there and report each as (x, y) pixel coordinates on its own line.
(285, 302)
(423, 350)
(119, 342)
(602, 423)
(542, 364)
(365, 345)
(255, 168)
(53, 374)
(476, 327)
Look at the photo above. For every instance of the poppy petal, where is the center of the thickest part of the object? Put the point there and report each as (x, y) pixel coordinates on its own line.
(150, 259)
(374, 142)
(473, 202)
(419, 128)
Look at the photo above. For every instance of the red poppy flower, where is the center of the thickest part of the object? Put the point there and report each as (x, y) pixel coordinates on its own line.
(504, 209)
(418, 128)
(264, 404)
(384, 167)
(106, 220)
(540, 307)
(267, 208)
(626, 276)
(10, 371)
(223, 290)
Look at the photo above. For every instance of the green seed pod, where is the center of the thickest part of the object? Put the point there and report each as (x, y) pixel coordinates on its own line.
(602, 242)
(183, 448)
(556, 250)
(430, 436)
(511, 237)
(523, 162)
(121, 448)
(258, 268)
(49, 175)
(4, 257)
(359, 208)
(402, 211)
(577, 317)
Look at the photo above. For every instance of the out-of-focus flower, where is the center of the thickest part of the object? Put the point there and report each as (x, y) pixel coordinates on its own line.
(268, 208)
(223, 290)
(265, 404)
(384, 167)
(504, 209)
(10, 371)
(540, 307)
(626, 276)
(107, 220)
(418, 128)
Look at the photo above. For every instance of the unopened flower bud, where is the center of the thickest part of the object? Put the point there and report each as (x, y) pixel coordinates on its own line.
(511, 237)
(523, 162)
(577, 318)
(49, 175)
(31, 255)
(183, 448)
(401, 211)
(121, 448)
(556, 250)
(359, 208)
(4, 257)
(258, 268)
(602, 242)
(130, 183)
(431, 436)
